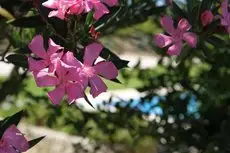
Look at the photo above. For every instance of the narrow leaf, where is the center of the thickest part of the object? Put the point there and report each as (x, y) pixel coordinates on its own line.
(87, 100)
(35, 141)
(27, 22)
(18, 60)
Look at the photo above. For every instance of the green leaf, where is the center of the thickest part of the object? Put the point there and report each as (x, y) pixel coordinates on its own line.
(120, 64)
(116, 80)
(89, 19)
(216, 41)
(190, 5)
(35, 141)
(109, 55)
(87, 100)
(27, 22)
(207, 4)
(211, 28)
(178, 11)
(206, 51)
(18, 60)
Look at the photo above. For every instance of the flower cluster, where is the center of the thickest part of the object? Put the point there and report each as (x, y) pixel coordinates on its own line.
(225, 15)
(63, 7)
(59, 68)
(177, 35)
(13, 141)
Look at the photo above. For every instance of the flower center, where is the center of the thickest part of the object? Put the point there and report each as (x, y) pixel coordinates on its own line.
(89, 71)
(177, 35)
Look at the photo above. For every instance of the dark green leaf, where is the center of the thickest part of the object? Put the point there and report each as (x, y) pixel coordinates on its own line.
(120, 64)
(206, 51)
(27, 22)
(35, 141)
(178, 11)
(108, 55)
(207, 4)
(185, 52)
(116, 80)
(18, 60)
(89, 19)
(216, 41)
(87, 100)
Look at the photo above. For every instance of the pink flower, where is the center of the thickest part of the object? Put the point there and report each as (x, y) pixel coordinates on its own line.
(168, 2)
(206, 18)
(13, 141)
(82, 6)
(46, 58)
(89, 72)
(78, 7)
(225, 15)
(177, 35)
(69, 76)
(63, 80)
(60, 7)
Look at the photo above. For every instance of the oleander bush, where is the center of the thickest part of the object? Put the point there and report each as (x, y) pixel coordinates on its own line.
(61, 53)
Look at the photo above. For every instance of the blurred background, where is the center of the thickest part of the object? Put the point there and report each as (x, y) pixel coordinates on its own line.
(161, 105)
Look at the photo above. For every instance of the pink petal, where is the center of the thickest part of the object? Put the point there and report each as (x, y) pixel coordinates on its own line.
(184, 25)
(110, 2)
(53, 48)
(175, 49)
(77, 75)
(74, 91)
(224, 8)
(88, 6)
(8, 149)
(53, 4)
(45, 79)
(190, 38)
(92, 52)
(56, 56)
(59, 14)
(37, 47)
(57, 95)
(223, 22)
(162, 40)
(15, 138)
(69, 59)
(97, 86)
(60, 69)
(167, 24)
(36, 65)
(76, 9)
(106, 69)
(100, 10)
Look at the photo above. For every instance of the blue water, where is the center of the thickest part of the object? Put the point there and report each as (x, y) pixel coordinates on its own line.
(151, 107)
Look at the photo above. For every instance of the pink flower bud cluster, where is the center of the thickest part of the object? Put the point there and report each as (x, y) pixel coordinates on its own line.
(63, 7)
(62, 70)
